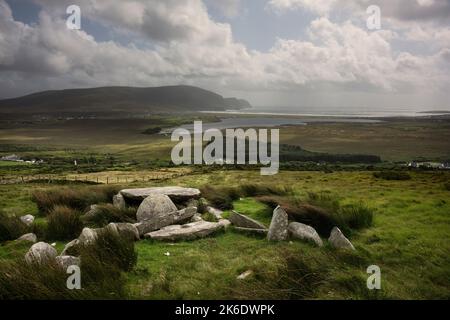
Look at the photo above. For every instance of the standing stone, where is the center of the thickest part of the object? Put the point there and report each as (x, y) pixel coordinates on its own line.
(154, 207)
(339, 241)
(40, 252)
(119, 202)
(31, 237)
(278, 230)
(28, 219)
(93, 211)
(240, 220)
(304, 232)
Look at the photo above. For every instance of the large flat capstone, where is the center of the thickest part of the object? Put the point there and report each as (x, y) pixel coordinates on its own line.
(174, 193)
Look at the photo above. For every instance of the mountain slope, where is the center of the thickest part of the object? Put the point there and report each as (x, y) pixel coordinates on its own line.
(121, 99)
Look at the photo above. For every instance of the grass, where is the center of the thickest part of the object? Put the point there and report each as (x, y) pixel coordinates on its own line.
(392, 175)
(64, 223)
(409, 239)
(11, 227)
(107, 213)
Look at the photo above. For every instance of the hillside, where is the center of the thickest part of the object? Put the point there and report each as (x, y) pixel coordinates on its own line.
(120, 99)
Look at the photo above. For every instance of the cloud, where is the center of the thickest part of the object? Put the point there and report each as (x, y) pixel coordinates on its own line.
(189, 47)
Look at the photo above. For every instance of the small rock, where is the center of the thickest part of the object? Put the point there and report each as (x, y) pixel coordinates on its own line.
(28, 219)
(215, 212)
(167, 254)
(304, 232)
(339, 241)
(31, 237)
(196, 218)
(126, 230)
(87, 236)
(245, 275)
(67, 261)
(224, 222)
(40, 252)
(119, 202)
(241, 220)
(278, 230)
(71, 248)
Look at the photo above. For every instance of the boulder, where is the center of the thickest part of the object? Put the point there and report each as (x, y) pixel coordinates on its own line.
(339, 241)
(71, 248)
(88, 236)
(125, 230)
(31, 237)
(278, 230)
(93, 211)
(178, 194)
(188, 231)
(304, 232)
(224, 222)
(119, 202)
(240, 220)
(161, 221)
(215, 212)
(67, 261)
(28, 219)
(197, 217)
(251, 231)
(155, 207)
(40, 252)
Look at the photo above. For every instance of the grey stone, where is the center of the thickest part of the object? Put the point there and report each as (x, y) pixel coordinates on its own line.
(197, 217)
(339, 241)
(31, 237)
(40, 252)
(155, 207)
(67, 261)
(88, 236)
(241, 220)
(161, 221)
(175, 193)
(93, 211)
(71, 248)
(224, 222)
(215, 212)
(28, 219)
(304, 232)
(279, 225)
(125, 230)
(119, 202)
(188, 231)
(261, 232)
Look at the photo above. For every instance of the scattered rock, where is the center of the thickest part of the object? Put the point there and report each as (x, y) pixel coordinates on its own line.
(161, 221)
(93, 211)
(188, 231)
(304, 232)
(339, 241)
(196, 218)
(88, 236)
(71, 248)
(28, 219)
(191, 203)
(40, 252)
(279, 225)
(215, 212)
(241, 220)
(67, 261)
(119, 202)
(125, 230)
(245, 275)
(31, 237)
(252, 231)
(155, 207)
(225, 223)
(177, 194)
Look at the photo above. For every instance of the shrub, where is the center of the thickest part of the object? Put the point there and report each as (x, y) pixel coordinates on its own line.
(221, 198)
(252, 190)
(355, 216)
(107, 213)
(447, 186)
(11, 227)
(78, 198)
(64, 223)
(392, 175)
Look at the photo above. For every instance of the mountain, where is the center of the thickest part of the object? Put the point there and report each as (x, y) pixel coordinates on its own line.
(120, 99)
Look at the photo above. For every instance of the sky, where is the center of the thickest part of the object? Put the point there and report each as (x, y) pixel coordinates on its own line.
(289, 53)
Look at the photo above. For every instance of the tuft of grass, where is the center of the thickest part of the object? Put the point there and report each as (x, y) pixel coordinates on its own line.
(11, 227)
(447, 186)
(355, 216)
(107, 213)
(76, 198)
(392, 175)
(64, 223)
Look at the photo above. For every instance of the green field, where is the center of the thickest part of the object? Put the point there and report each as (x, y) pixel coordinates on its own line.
(409, 238)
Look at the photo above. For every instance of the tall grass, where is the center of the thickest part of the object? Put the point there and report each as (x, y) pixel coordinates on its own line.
(11, 227)
(64, 223)
(102, 266)
(107, 213)
(392, 175)
(78, 198)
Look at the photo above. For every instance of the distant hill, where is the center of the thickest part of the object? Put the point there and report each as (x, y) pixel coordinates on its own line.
(122, 100)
